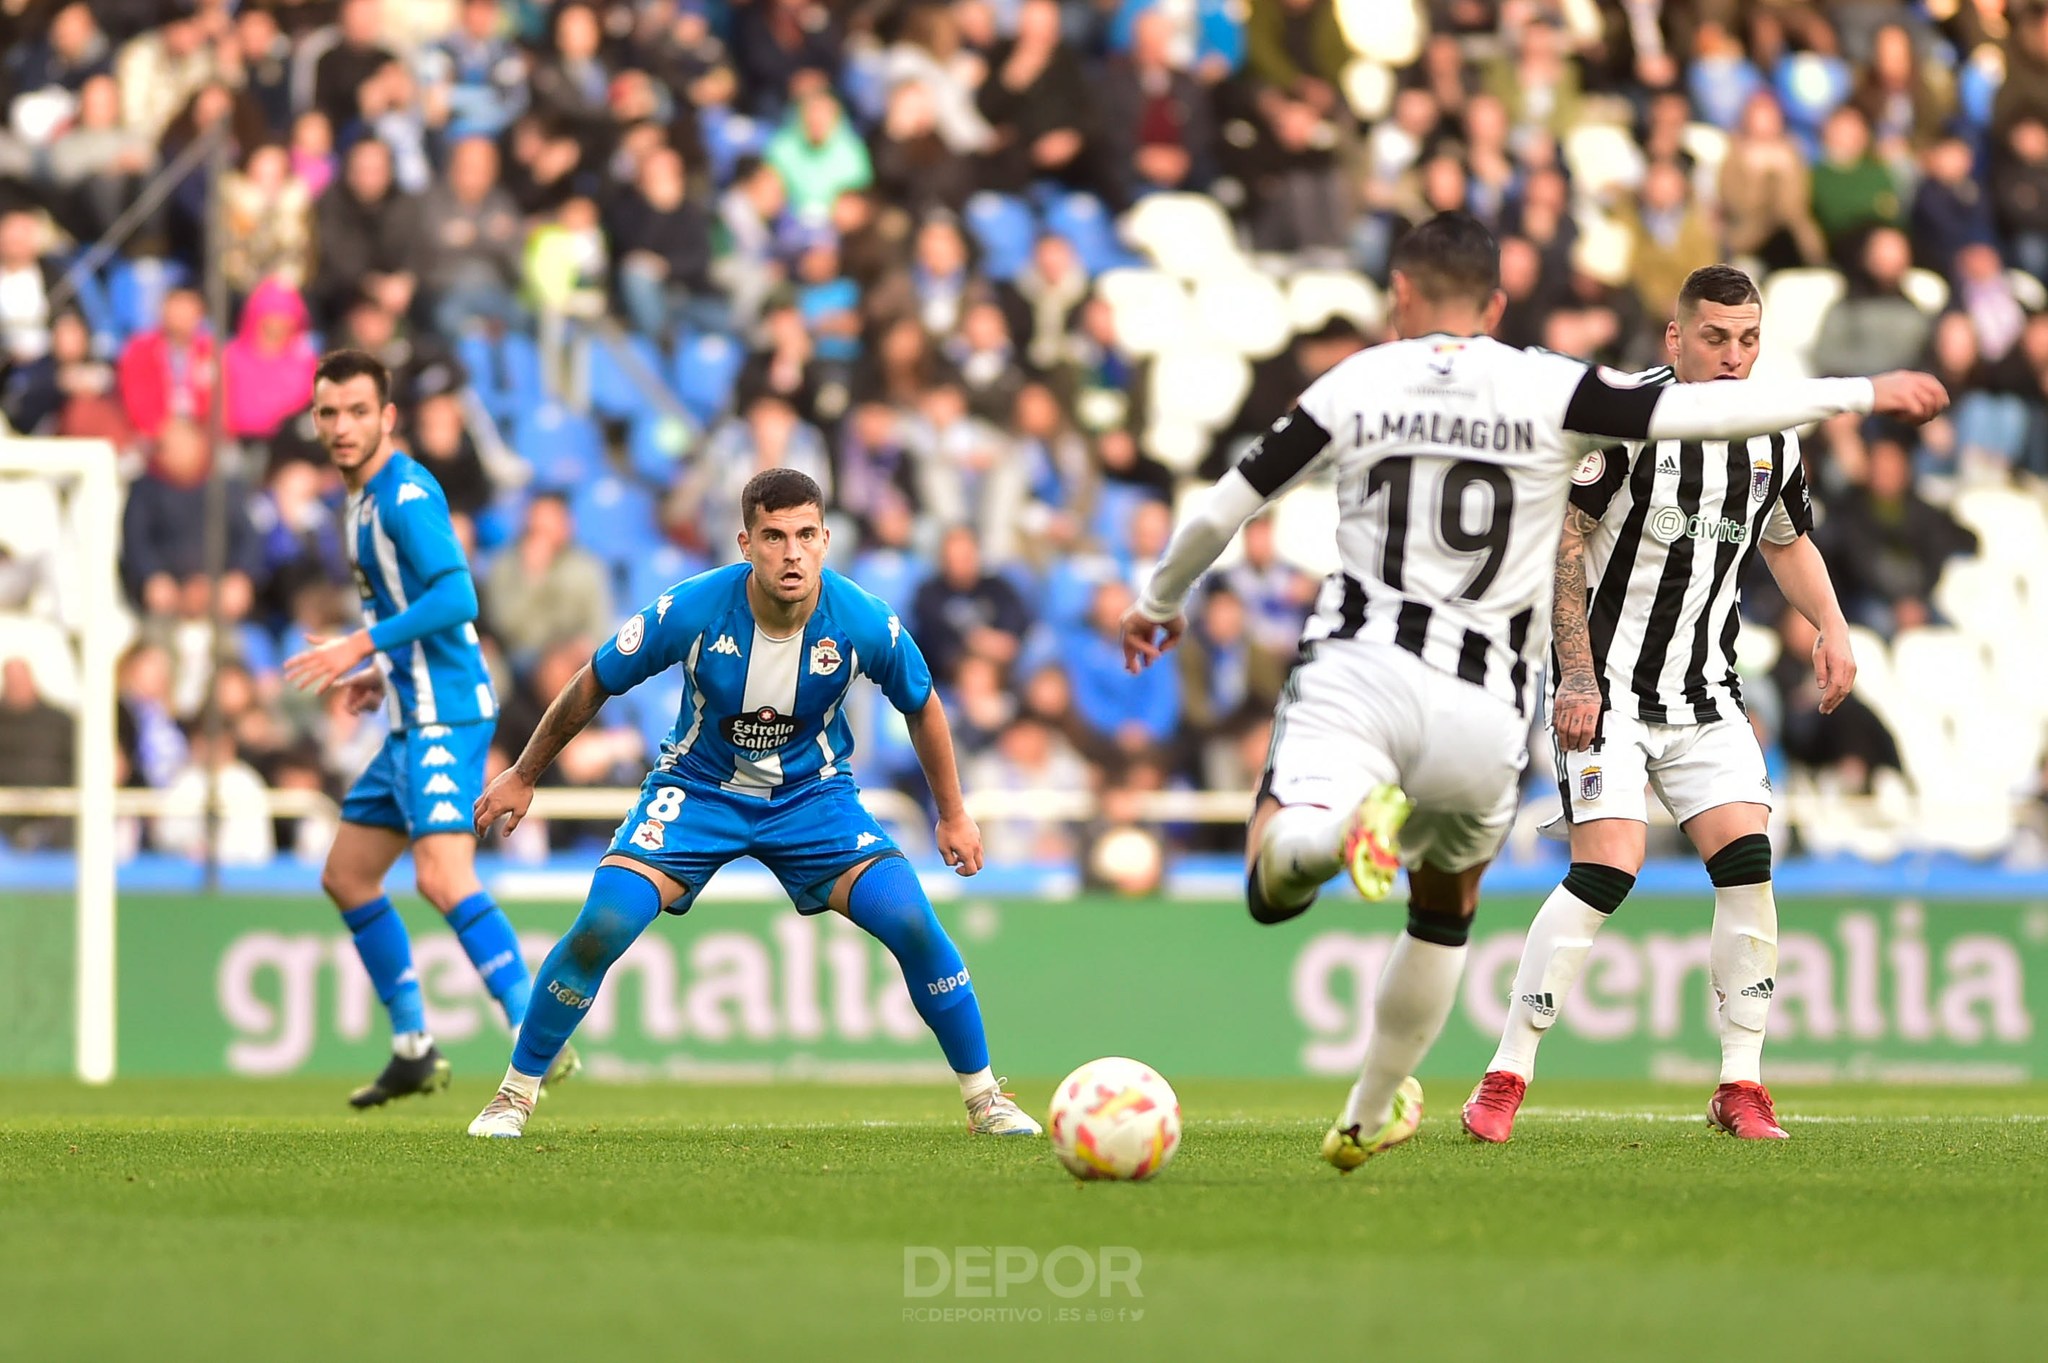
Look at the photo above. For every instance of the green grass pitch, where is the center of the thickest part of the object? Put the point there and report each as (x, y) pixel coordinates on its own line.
(240, 1221)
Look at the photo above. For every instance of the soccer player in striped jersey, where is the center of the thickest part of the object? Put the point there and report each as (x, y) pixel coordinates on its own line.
(1402, 733)
(759, 764)
(1645, 693)
(419, 605)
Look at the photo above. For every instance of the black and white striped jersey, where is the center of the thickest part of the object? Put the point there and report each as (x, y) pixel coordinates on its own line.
(1452, 461)
(1677, 521)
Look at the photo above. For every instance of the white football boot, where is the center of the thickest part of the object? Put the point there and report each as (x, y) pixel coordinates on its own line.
(504, 1116)
(996, 1113)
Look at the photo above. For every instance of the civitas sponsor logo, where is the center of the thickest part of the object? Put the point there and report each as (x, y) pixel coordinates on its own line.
(762, 731)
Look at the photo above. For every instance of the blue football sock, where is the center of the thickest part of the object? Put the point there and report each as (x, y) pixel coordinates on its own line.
(889, 903)
(620, 906)
(486, 934)
(387, 954)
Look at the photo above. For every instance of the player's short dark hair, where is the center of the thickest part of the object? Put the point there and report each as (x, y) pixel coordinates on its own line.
(778, 490)
(1450, 258)
(1722, 284)
(339, 366)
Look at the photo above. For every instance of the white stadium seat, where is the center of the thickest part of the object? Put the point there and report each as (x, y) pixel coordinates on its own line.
(1315, 296)
(2031, 293)
(1198, 386)
(2010, 527)
(1152, 309)
(30, 521)
(1184, 234)
(1369, 89)
(1387, 31)
(1928, 290)
(1796, 302)
(43, 645)
(1179, 445)
(1601, 157)
(1242, 313)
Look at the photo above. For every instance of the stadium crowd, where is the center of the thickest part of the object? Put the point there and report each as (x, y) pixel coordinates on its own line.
(620, 255)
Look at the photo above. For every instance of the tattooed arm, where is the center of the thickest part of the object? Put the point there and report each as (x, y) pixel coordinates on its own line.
(1575, 706)
(509, 794)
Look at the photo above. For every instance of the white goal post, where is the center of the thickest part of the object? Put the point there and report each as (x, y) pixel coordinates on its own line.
(76, 480)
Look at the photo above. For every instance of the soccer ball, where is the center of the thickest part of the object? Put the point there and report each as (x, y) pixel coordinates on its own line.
(1115, 1118)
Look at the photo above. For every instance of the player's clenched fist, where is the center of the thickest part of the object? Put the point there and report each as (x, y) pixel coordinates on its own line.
(1909, 396)
(506, 797)
(1144, 638)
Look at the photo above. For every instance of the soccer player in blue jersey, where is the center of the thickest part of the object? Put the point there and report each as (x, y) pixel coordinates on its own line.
(418, 605)
(758, 765)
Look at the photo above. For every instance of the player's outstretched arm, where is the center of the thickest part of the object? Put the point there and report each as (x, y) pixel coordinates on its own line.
(1734, 411)
(1575, 709)
(1802, 576)
(959, 840)
(509, 794)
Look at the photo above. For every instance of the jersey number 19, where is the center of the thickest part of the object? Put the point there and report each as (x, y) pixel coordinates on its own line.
(1396, 477)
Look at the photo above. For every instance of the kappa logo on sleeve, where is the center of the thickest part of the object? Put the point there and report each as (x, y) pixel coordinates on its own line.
(411, 492)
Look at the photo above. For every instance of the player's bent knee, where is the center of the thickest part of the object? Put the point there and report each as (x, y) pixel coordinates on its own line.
(1444, 928)
(1264, 910)
(1599, 887)
(1745, 861)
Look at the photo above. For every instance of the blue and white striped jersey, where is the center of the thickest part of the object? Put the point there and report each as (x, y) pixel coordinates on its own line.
(762, 714)
(401, 542)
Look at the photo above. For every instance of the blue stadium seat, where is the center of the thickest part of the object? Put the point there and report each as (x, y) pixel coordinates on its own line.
(655, 572)
(613, 391)
(704, 371)
(520, 361)
(1083, 221)
(136, 289)
(98, 311)
(1004, 228)
(486, 375)
(563, 448)
(614, 520)
(655, 448)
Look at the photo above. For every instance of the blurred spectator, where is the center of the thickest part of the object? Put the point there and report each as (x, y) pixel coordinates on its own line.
(1766, 192)
(26, 280)
(817, 152)
(346, 67)
(1849, 745)
(1852, 188)
(71, 51)
(2024, 92)
(661, 243)
(1028, 755)
(1951, 210)
(298, 537)
(1157, 122)
(372, 238)
(163, 530)
(1904, 99)
(38, 740)
(2019, 185)
(1886, 544)
(151, 742)
(1276, 595)
(171, 371)
(1875, 327)
(96, 163)
(268, 367)
(1540, 82)
(1296, 56)
(964, 611)
(767, 434)
(162, 69)
(976, 479)
(748, 212)
(1671, 237)
(473, 83)
(265, 55)
(913, 165)
(269, 222)
(1039, 105)
(776, 41)
(1207, 37)
(1721, 77)
(608, 752)
(1121, 713)
(572, 84)
(440, 441)
(1985, 293)
(69, 391)
(473, 241)
(245, 835)
(545, 588)
(1989, 427)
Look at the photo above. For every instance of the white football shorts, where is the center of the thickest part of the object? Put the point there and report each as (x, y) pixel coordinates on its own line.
(1691, 767)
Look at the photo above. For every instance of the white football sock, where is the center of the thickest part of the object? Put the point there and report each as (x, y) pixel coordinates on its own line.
(411, 1045)
(1298, 852)
(1551, 961)
(1415, 996)
(526, 1086)
(1742, 963)
(974, 1085)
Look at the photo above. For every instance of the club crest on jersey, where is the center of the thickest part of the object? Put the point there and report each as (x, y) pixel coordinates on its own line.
(1760, 481)
(759, 733)
(1589, 784)
(824, 658)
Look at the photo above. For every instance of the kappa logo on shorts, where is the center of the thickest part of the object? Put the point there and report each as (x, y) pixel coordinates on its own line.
(1589, 784)
(441, 784)
(444, 811)
(434, 731)
(438, 757)
(865, 840)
